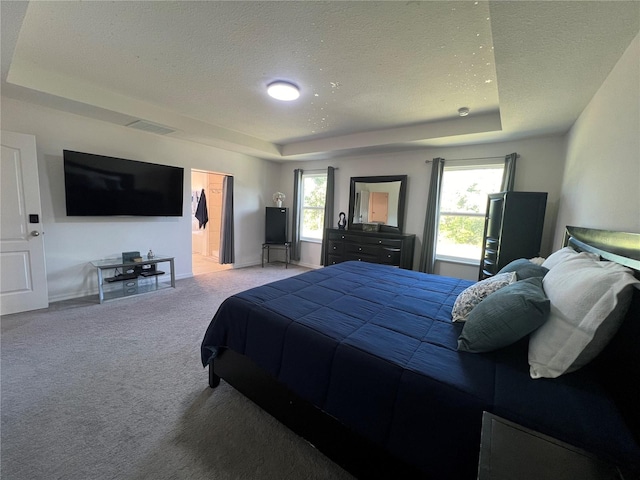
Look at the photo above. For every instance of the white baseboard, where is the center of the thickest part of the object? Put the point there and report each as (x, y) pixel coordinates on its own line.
(308, 265)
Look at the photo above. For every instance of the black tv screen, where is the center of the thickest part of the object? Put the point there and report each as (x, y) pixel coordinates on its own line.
(96, 185)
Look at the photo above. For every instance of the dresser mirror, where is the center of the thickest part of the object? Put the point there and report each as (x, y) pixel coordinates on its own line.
(377, 200)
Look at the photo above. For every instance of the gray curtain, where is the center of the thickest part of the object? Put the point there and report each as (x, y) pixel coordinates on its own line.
(509, 175)
(430, 235)
(328, 209)
(227, 253)
(297, 206)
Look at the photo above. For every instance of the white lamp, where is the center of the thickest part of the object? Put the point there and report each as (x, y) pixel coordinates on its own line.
(283, 91)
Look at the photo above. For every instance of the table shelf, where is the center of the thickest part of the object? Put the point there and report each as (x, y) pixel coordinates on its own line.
(137, 283)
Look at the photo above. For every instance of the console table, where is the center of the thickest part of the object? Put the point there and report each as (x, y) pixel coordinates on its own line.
(132, 278)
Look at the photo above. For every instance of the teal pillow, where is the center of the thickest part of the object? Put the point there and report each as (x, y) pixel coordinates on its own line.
(506, 316)
(524, 269)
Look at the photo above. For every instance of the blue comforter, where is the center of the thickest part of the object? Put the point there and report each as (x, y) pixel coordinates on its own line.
(374, 346)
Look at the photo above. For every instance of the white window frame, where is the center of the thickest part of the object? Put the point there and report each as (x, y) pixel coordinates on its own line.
(465, 165)
(304, 207)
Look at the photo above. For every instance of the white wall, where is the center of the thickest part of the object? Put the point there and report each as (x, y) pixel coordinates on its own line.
(601, 181)
(539, 168)
(72, 242)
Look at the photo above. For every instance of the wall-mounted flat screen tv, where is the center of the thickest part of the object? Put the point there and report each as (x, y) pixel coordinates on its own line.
(96, 185)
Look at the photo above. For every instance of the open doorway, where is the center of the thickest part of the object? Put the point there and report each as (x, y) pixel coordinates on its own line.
(205, 240)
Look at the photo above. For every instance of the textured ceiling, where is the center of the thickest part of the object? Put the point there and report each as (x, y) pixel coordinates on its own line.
(373, 75)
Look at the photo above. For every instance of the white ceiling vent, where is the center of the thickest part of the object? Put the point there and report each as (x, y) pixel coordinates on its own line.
(151, 127)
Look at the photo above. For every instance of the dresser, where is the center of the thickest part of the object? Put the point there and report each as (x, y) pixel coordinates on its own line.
(513, 229)
(374, 247)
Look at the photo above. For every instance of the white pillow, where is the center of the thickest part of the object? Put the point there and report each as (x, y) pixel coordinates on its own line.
(589, 299)
(473, 295)
(563, 254)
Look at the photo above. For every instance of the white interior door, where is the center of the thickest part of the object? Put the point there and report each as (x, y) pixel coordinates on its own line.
(23, 282)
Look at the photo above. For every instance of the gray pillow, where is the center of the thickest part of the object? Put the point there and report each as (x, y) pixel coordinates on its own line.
(505, 317)
(524, 269)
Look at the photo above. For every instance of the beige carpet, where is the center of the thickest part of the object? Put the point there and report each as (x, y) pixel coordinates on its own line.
(117, 391)
(201, 265)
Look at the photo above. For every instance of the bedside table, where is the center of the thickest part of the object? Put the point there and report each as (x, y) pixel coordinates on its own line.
(509, 451)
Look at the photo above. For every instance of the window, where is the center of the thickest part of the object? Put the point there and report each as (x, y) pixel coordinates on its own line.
(314, 190)
(463, 204)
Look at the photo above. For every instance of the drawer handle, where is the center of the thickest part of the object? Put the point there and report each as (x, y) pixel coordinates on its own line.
(342, 236)
(335, 248)
(379, 241)
(359, 249)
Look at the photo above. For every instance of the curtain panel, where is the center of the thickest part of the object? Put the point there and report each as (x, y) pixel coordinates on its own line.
(227, 252)
(430, 235)
(328, 209)
(509, 174)
(295, 213)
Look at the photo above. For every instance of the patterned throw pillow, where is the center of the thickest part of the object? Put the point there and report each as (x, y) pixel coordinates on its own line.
(473, 295)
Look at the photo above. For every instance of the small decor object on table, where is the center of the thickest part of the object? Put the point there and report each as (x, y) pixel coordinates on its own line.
(370, 227)
(150, 254)
(278, 198)
(342, 220)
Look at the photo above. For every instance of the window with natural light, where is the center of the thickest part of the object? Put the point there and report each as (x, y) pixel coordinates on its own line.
(463, 204)
(314, 189)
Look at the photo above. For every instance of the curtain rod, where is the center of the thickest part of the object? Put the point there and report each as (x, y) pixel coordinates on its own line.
(475, 158)
(317, 170)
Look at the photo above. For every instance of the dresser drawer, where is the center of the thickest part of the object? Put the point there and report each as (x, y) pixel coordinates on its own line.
(491, 243)
(344, 237)
(390, 256)
(361, 257)
(385, 242)
(333, 259)
(489, 266)
(362, 249)
(490, 255)
(335, 247)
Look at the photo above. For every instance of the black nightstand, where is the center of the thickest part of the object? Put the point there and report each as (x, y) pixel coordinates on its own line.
(509, 451)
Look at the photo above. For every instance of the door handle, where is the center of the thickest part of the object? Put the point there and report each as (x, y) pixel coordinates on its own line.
(35, 233)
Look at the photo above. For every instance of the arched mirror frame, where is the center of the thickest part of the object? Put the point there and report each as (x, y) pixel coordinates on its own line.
(379, 179)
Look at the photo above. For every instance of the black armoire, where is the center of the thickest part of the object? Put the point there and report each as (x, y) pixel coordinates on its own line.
(276, 225)
(512, 229)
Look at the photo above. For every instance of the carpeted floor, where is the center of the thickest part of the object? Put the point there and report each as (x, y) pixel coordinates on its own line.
(117, 391)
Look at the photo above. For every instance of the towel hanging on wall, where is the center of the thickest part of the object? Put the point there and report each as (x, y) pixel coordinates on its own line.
(201, 211)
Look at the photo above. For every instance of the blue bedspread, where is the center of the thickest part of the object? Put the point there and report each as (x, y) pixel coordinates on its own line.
(374, 346)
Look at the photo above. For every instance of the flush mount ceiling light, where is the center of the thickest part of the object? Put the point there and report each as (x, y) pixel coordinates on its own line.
(463, 112)
(283, 91)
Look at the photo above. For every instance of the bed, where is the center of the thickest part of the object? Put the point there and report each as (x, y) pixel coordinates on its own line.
(362, 360)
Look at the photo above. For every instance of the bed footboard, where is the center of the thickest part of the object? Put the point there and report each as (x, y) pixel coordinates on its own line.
(349, 450)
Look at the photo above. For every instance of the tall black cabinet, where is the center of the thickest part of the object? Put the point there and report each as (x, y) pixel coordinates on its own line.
(512, 230)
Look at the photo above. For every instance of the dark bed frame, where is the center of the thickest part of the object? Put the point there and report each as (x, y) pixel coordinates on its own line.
(357, 455)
